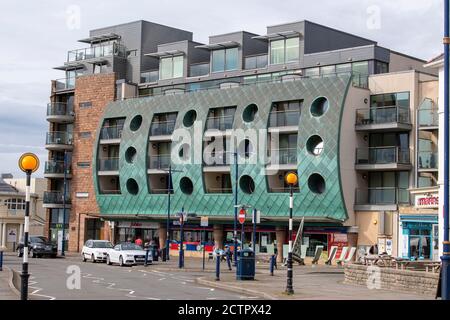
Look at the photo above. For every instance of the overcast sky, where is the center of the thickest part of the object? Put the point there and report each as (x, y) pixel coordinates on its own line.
(36, 36)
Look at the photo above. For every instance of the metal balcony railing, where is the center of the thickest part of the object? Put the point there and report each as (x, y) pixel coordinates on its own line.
(108, 164)
(283, 156)
(56, 197)
(59, 137)
(56, 167)
(382, 155)
(393, 114)
(111, 133)
(161, 161)
(219, 123)
(382, 196)
(59, 109)
(428, 160)
(162, 128)
(218, 158)
(284, 118)
(99, 51)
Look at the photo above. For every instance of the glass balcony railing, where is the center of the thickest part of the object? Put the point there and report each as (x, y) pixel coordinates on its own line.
(199, 69)
(283, 156)
(110, 133)
(382, 196)
(56, 167)
(219, 190)
(283, 189)
(56, 197)
(219, 123)
(428, 160)
(64, 84)
(428, 117)
(59, 109)
(161, 161)
(162, 128)
(394, 114)
(382, 155)
(256, 62)
(99, 51)
(284, 118)
(108, 164)
(218, 158)
(59, 137)
(149, 76)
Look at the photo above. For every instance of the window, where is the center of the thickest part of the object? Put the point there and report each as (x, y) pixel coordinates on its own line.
(312, 72)
(225, 60)
(171, 67)
(390, 100)
(15, 204)
(342, 68)
(284, 51)
(256, 62)
(381, 67)
(328, 70)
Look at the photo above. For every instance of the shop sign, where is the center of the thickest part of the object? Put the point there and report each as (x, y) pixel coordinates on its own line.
(424, 201)
(138, 225)
(203, 221)
(339, 240)
(12, 235)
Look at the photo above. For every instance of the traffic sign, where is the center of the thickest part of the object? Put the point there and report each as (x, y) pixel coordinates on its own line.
(203, 221)
(242, 216)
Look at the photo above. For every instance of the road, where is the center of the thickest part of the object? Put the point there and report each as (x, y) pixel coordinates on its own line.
(49, 278)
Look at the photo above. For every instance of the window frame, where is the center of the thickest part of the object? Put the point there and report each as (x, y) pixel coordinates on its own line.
(270, 62)
(172, 67)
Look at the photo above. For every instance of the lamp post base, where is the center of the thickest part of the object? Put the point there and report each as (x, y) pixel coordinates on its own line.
(445, 284)
(24, 282)
(289, 286)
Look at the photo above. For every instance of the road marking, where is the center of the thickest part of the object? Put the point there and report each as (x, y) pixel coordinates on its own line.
(37, 289)
(161, 279)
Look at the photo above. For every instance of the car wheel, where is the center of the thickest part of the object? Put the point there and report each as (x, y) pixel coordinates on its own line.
(108, 261)
(84, 257)
(93, 258)
(121, 261)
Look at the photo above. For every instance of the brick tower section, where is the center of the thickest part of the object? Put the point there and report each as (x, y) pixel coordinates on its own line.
(92, 94)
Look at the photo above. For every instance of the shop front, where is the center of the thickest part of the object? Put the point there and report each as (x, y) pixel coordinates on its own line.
(130, 231)
(419, 237)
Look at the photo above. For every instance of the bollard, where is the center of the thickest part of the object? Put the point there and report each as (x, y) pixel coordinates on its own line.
(1, 260)
(217, 268)
(272, 264)
(229, 261)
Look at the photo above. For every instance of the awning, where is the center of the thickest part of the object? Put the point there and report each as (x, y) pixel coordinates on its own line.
(98, 62)
(219, 45)
(420, 218)
(101, 38)
(70, 66)
(170, 53)
(278, 35)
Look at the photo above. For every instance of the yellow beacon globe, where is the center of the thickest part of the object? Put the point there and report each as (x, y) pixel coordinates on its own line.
(29, 162)
(291, 178)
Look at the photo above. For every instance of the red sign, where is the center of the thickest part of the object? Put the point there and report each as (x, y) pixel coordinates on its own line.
(339, 240)
(242, 216)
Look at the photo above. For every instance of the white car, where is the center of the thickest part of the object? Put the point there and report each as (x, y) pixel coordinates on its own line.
(128, 254)
(96, 250)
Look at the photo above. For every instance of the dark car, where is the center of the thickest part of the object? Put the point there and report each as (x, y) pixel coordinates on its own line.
(38, 247)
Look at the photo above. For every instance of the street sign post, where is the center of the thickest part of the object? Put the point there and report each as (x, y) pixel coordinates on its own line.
(242, 214)
(203, 223)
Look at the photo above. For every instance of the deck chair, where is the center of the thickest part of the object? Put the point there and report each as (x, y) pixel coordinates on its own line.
(317, 254)
(300, 258)
(350, 255)
(343, 255)
(331, 256)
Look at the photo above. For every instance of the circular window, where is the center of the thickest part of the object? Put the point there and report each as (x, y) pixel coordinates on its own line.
(319, 106)
(132, 186)
(186, 185)
(130, 155)
(245, 148)
(184, 151)
(314, 145)
(189, 118)
(135, 123)
(247, 184)
(250, 112)
(316, 183)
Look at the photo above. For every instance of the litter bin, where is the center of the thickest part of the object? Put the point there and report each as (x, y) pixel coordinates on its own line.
(245, 265)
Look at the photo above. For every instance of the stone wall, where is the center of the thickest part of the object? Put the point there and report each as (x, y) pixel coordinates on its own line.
(418, 282)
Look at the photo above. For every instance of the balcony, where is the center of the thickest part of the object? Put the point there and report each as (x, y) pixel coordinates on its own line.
(162, 128)
(96, 52)
(108, 166)
(65, 84)
(428, 119)
(428, 161)
(374, 199)
(382, 159)
(199, 69)
(295, 189)
(157, 163)
(60, 112)
(285, 121)
(283, 159)
(395, 118)
(150, 76)
(219, 190)
(55, 169)
(55, 199)
(214, 160)
(221, 123)
(59, 140)
(111, 135)
(256, 62)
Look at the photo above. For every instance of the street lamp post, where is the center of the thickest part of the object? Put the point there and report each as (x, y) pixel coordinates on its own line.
(28, 163)
(168, 214)
(181, 253)
(236, 177)
(64, 205)
(291, 179)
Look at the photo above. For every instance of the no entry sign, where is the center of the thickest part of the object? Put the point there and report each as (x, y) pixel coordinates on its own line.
(242, 216)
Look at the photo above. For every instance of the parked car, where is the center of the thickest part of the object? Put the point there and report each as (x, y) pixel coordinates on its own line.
(96, 250)
(127, 253)
(38, 247)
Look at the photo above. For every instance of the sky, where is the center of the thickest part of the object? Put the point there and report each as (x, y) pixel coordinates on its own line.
(36, 36)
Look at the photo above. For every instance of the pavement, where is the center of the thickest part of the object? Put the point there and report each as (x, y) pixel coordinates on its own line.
(6, 292)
